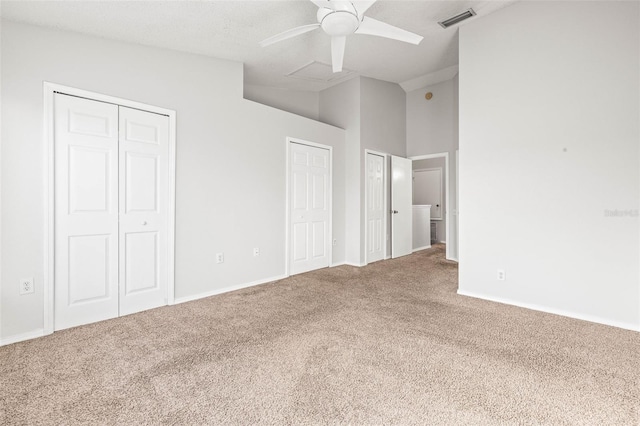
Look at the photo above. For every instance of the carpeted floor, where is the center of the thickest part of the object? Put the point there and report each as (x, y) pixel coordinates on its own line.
(390, 343)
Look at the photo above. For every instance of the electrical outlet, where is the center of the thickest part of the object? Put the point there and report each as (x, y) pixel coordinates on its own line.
(219, 257)
(26, 286)
(501, 275)
(335, 241)
(256, 251)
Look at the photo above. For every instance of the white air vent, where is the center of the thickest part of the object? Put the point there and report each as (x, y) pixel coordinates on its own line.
(318, 71)
(457, 19)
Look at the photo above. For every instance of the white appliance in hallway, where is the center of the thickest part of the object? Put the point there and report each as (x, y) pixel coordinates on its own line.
(421, 227)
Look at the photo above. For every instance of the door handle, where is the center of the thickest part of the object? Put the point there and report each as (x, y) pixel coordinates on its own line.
(394, 211)
(144, 223)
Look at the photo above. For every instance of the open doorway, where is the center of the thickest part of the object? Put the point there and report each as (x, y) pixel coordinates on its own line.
(397, 174)
(429, 190)
(431, 186)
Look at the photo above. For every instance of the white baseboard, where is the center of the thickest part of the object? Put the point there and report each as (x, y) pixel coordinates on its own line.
(184, 299)
(355, 264)
(561, 312)
(22, 337)
(421, 248)
(179, 300)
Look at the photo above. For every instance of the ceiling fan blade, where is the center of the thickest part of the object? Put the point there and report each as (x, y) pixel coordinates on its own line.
(322, 3)
(362, 6)
(370, 26)
(337, 52)
(288, 34)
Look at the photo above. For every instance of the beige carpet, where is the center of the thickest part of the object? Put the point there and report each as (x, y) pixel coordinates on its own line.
(390, 343)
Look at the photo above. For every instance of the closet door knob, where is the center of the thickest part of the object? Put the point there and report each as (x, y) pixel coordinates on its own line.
(144, 223)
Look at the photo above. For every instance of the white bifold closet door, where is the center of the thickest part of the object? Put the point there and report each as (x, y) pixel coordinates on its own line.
(143, 169)
(111, 188)
(86, 211)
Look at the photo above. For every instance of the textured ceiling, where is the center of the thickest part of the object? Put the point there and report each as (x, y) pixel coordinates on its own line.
(232, 29)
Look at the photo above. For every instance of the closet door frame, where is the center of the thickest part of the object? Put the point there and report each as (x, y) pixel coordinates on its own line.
(49, 89)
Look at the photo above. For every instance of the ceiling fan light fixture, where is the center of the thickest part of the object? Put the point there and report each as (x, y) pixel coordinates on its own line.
(454, 20)
(340, 23)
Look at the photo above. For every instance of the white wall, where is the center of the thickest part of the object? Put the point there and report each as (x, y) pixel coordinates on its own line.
(298, 102)
(340, 106)
(231, 157)
(383, 129)
(549, 138)
(432, 127)
(383, 112)
(430, 123)
(0, 173)
(456, 111)
(373, 114)
(453, 173)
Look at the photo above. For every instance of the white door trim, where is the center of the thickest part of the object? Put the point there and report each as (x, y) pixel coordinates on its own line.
(386, 203)
(287, 251)
(456, 211)
(49, 238)
(448, 211)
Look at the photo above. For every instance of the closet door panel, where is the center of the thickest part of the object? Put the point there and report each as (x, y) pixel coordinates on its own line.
(144, 190)
(86, 211)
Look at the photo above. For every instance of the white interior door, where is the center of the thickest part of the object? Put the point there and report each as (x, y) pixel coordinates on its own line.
(310, 192)
(144, 153)
(86, 211)
(401, 206)
(375, 207)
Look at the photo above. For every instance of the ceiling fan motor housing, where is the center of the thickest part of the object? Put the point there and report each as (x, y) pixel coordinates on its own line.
(341, 18)
(339, 22)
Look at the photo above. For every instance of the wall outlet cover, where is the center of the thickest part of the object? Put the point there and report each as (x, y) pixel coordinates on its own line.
(26, 286)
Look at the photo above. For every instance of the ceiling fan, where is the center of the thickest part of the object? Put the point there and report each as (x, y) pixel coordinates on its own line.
(340, 18)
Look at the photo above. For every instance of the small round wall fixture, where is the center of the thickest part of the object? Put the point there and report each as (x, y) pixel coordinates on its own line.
(428, 96)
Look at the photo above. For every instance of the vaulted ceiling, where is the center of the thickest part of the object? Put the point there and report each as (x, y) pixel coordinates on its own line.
(232, 29)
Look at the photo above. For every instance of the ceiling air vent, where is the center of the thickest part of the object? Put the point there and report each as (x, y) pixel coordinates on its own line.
(457, 19)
